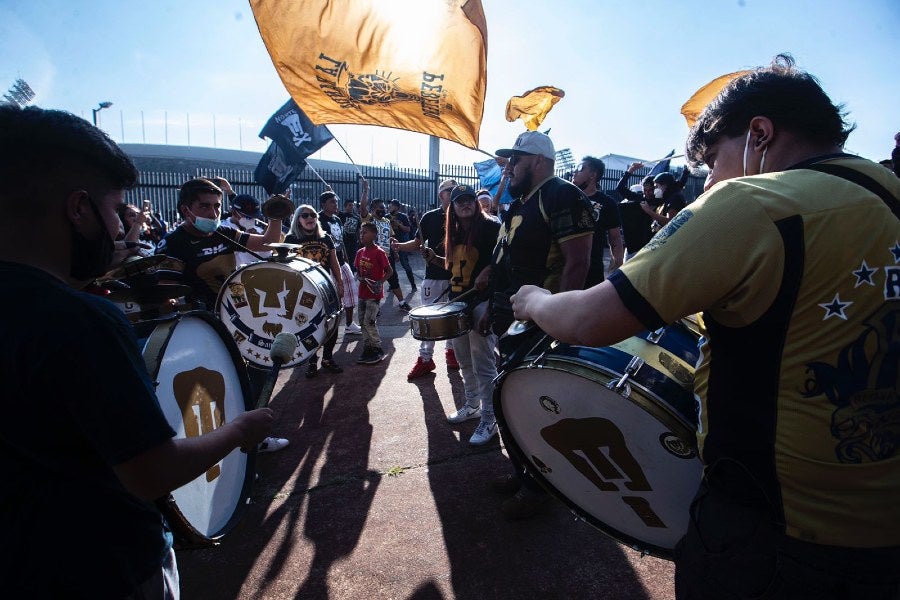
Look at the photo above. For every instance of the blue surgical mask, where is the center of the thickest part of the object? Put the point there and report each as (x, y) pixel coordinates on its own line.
(206, 225)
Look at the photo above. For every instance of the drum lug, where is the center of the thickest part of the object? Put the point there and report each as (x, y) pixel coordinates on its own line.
(654, 336)
(621, 386)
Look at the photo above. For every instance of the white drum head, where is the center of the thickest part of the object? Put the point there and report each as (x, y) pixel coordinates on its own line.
(200, 389)
(612, 459)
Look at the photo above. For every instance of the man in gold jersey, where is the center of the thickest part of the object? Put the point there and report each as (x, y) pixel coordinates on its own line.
(792, 254)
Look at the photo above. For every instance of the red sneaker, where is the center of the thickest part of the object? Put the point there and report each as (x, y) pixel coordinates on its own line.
(452, 363)
(421, 368)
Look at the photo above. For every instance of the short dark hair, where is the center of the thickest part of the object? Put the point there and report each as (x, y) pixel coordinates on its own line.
(193, 188)
(377, 201)
(596, 165)
(369, 225)
(326, 196)
(791, 98)
(41, 145)
(394, 202)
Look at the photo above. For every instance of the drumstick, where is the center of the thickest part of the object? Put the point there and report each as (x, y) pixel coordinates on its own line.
(282, 351)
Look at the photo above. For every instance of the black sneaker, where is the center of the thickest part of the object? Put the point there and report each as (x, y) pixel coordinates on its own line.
(331, 366)
(404, 306)
(366, 355)
(312, 369)
(375, 357)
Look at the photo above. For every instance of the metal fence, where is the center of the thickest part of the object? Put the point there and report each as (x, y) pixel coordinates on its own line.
(414, 188)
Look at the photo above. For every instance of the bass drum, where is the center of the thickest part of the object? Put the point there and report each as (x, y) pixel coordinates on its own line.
(610, 431)
(263, 299)
(201, 383)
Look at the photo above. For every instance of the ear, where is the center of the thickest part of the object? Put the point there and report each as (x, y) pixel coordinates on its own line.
(762, 132)
(77, 207)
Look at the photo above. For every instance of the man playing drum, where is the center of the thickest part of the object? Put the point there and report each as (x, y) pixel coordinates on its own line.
(78, 518)
(792, 255)
(545, 238)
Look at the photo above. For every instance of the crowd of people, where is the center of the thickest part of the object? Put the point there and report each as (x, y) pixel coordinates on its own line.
(791, 255)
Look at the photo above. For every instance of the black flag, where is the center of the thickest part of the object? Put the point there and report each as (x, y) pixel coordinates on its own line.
(294, 133)
(274, 172)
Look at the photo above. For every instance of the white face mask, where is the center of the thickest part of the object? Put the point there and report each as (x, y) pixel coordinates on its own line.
(658, 193)
(762, 161)
(247, 223)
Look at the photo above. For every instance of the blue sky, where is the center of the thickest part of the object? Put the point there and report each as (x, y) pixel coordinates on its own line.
(626, 68)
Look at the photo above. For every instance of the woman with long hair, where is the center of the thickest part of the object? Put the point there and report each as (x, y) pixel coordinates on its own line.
(317, 246)
(469, 239)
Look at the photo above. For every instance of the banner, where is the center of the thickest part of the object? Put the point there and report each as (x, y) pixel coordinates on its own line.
(706, 94)
(417, 65)
(489, 175)
(533, 105)
(275, 172)
(662, 166)
(294, 133)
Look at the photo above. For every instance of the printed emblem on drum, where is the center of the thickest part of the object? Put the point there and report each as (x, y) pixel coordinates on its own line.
(307, 300)
(272, 329)
(272, 289)
(238, 299)
(200, 394)
(549, 404)
(301, 319)
(310, 343)
(239, 337)
(582, 443)
(676, 446)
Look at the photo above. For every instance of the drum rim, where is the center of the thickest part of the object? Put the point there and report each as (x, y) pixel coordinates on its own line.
(184, 532)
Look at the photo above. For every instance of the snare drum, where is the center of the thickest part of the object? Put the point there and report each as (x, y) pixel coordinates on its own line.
(440, 321)
(610, 431)
(201, 384)
(263, 299)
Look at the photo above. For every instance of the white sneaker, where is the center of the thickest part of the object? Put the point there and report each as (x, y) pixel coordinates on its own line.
(465, 413)
(483, 433)
(272, 444)
(352, 329)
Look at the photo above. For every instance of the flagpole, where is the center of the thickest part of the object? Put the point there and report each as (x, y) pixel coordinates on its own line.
(316, 173)
(347, 154)
(665, 158)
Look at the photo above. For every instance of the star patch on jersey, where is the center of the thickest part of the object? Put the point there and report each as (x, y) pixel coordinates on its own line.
(864, 275)
(835, 308)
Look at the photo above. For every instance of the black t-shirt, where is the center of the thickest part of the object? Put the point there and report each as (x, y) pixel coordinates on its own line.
(635, 225)
(431, 229)
(532, 231)
(208, 261)
(77, 400)
(314, 248)
(401, 219)
(334, 226)
(466, 262)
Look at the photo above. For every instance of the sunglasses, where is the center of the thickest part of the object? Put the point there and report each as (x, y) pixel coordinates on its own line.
(308, 215)
(464, 200)
(515, 158)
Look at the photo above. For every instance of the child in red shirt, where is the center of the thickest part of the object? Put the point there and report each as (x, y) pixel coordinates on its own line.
(372, 269)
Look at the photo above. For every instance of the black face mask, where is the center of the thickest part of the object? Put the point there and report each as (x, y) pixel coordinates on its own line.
(91, 258)
(379, 213)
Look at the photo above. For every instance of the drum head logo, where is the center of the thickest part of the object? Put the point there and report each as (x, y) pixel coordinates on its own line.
(200, 394)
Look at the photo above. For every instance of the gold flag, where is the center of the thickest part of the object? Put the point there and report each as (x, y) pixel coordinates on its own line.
(418, 65)
(695, 105)
(533, 105)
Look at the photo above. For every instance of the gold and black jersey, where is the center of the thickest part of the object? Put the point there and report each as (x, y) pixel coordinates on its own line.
(797, 274)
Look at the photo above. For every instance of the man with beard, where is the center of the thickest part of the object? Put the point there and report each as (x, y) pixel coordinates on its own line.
(606, 212)
(545, 239)
(792, 254)
(78, 517)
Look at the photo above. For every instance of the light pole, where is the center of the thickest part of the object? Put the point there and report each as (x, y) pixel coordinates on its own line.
(100, 107)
